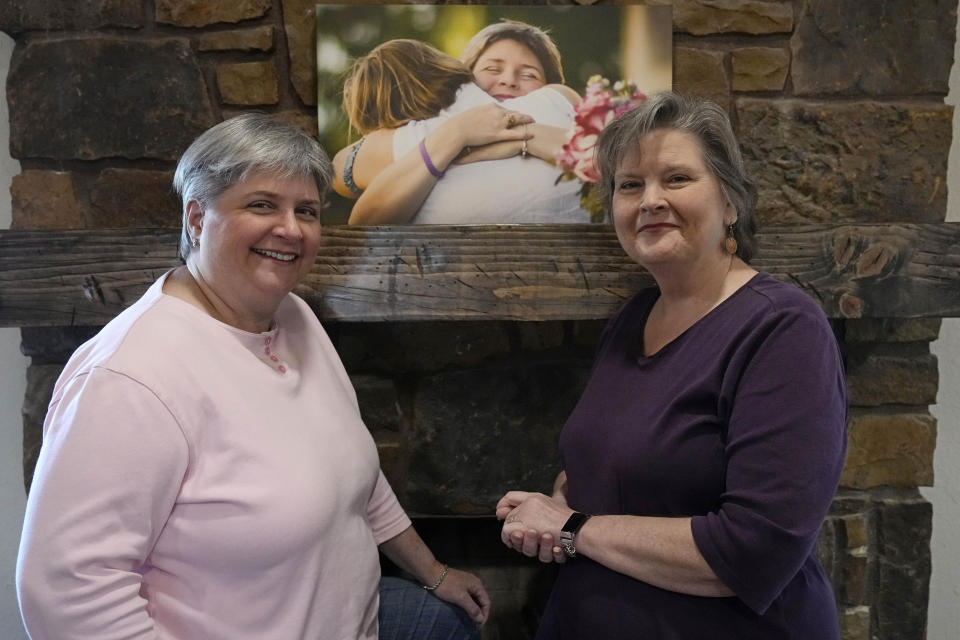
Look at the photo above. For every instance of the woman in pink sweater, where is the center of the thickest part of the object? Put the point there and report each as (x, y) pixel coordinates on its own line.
(205, 472)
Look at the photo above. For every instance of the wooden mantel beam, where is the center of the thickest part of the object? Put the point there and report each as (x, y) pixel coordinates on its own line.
(526, 272)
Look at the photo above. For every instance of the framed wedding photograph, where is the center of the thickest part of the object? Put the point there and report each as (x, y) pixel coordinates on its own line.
(477, 114)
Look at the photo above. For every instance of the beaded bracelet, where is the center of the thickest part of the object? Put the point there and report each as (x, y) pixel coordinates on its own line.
(348, 168)
(443, 574)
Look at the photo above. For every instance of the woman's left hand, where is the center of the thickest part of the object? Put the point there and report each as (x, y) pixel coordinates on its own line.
(532, 523)
(543, 142)
(546, 141)
(466, 591)
(492, 151)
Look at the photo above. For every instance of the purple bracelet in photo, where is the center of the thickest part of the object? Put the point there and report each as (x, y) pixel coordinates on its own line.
(436, 173)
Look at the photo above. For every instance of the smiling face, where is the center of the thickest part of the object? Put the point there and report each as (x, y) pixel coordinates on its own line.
(257, 240)
(669, 210)
(508, 69)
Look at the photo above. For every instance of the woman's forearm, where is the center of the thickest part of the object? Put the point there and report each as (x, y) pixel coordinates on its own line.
(396, 193)
(409, 552)
(658, 551)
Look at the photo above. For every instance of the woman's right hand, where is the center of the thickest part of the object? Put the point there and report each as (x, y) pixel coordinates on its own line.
(532, 524)
(466, 591)
(488, 123)
(529, 541)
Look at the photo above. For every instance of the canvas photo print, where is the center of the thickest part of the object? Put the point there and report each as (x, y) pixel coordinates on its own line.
(478, 114)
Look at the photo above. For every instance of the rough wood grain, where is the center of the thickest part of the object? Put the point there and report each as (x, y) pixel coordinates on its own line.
(527, 272)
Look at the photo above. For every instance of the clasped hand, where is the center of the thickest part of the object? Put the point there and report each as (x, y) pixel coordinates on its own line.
(532, 523)
(492, 123)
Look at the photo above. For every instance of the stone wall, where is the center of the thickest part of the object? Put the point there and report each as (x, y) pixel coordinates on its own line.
(839, 106)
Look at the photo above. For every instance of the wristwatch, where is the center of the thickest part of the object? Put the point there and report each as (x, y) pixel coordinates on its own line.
(568, 534)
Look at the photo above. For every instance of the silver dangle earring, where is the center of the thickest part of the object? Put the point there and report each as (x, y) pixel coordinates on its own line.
(196, 242)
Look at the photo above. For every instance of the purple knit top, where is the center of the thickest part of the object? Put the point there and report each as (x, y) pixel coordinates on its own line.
(738, 423)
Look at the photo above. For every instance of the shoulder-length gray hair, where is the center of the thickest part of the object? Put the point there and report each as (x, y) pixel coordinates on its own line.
(229, 152)
(709, 124)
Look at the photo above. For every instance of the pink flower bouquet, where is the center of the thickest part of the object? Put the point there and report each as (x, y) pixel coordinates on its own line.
(601, 104)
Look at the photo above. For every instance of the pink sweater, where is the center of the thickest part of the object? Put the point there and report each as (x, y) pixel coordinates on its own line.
(197, 481)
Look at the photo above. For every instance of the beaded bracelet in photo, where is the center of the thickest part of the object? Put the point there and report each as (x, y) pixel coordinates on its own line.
(443, 574)
(436, 173)
(348, 168)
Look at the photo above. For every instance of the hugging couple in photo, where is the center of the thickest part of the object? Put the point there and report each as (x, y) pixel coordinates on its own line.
(468, 141)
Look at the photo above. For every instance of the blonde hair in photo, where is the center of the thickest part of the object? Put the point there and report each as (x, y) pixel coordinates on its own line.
(399, 81)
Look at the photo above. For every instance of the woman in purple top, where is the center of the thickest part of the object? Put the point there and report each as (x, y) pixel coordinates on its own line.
(704, 453)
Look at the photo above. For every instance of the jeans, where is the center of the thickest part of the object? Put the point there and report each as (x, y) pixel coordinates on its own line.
(410, 612)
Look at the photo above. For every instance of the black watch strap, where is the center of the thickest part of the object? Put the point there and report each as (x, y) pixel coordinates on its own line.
(568, 534)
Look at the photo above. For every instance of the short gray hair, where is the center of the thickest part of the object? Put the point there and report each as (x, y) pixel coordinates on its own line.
(229, 152)
(709, 124)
